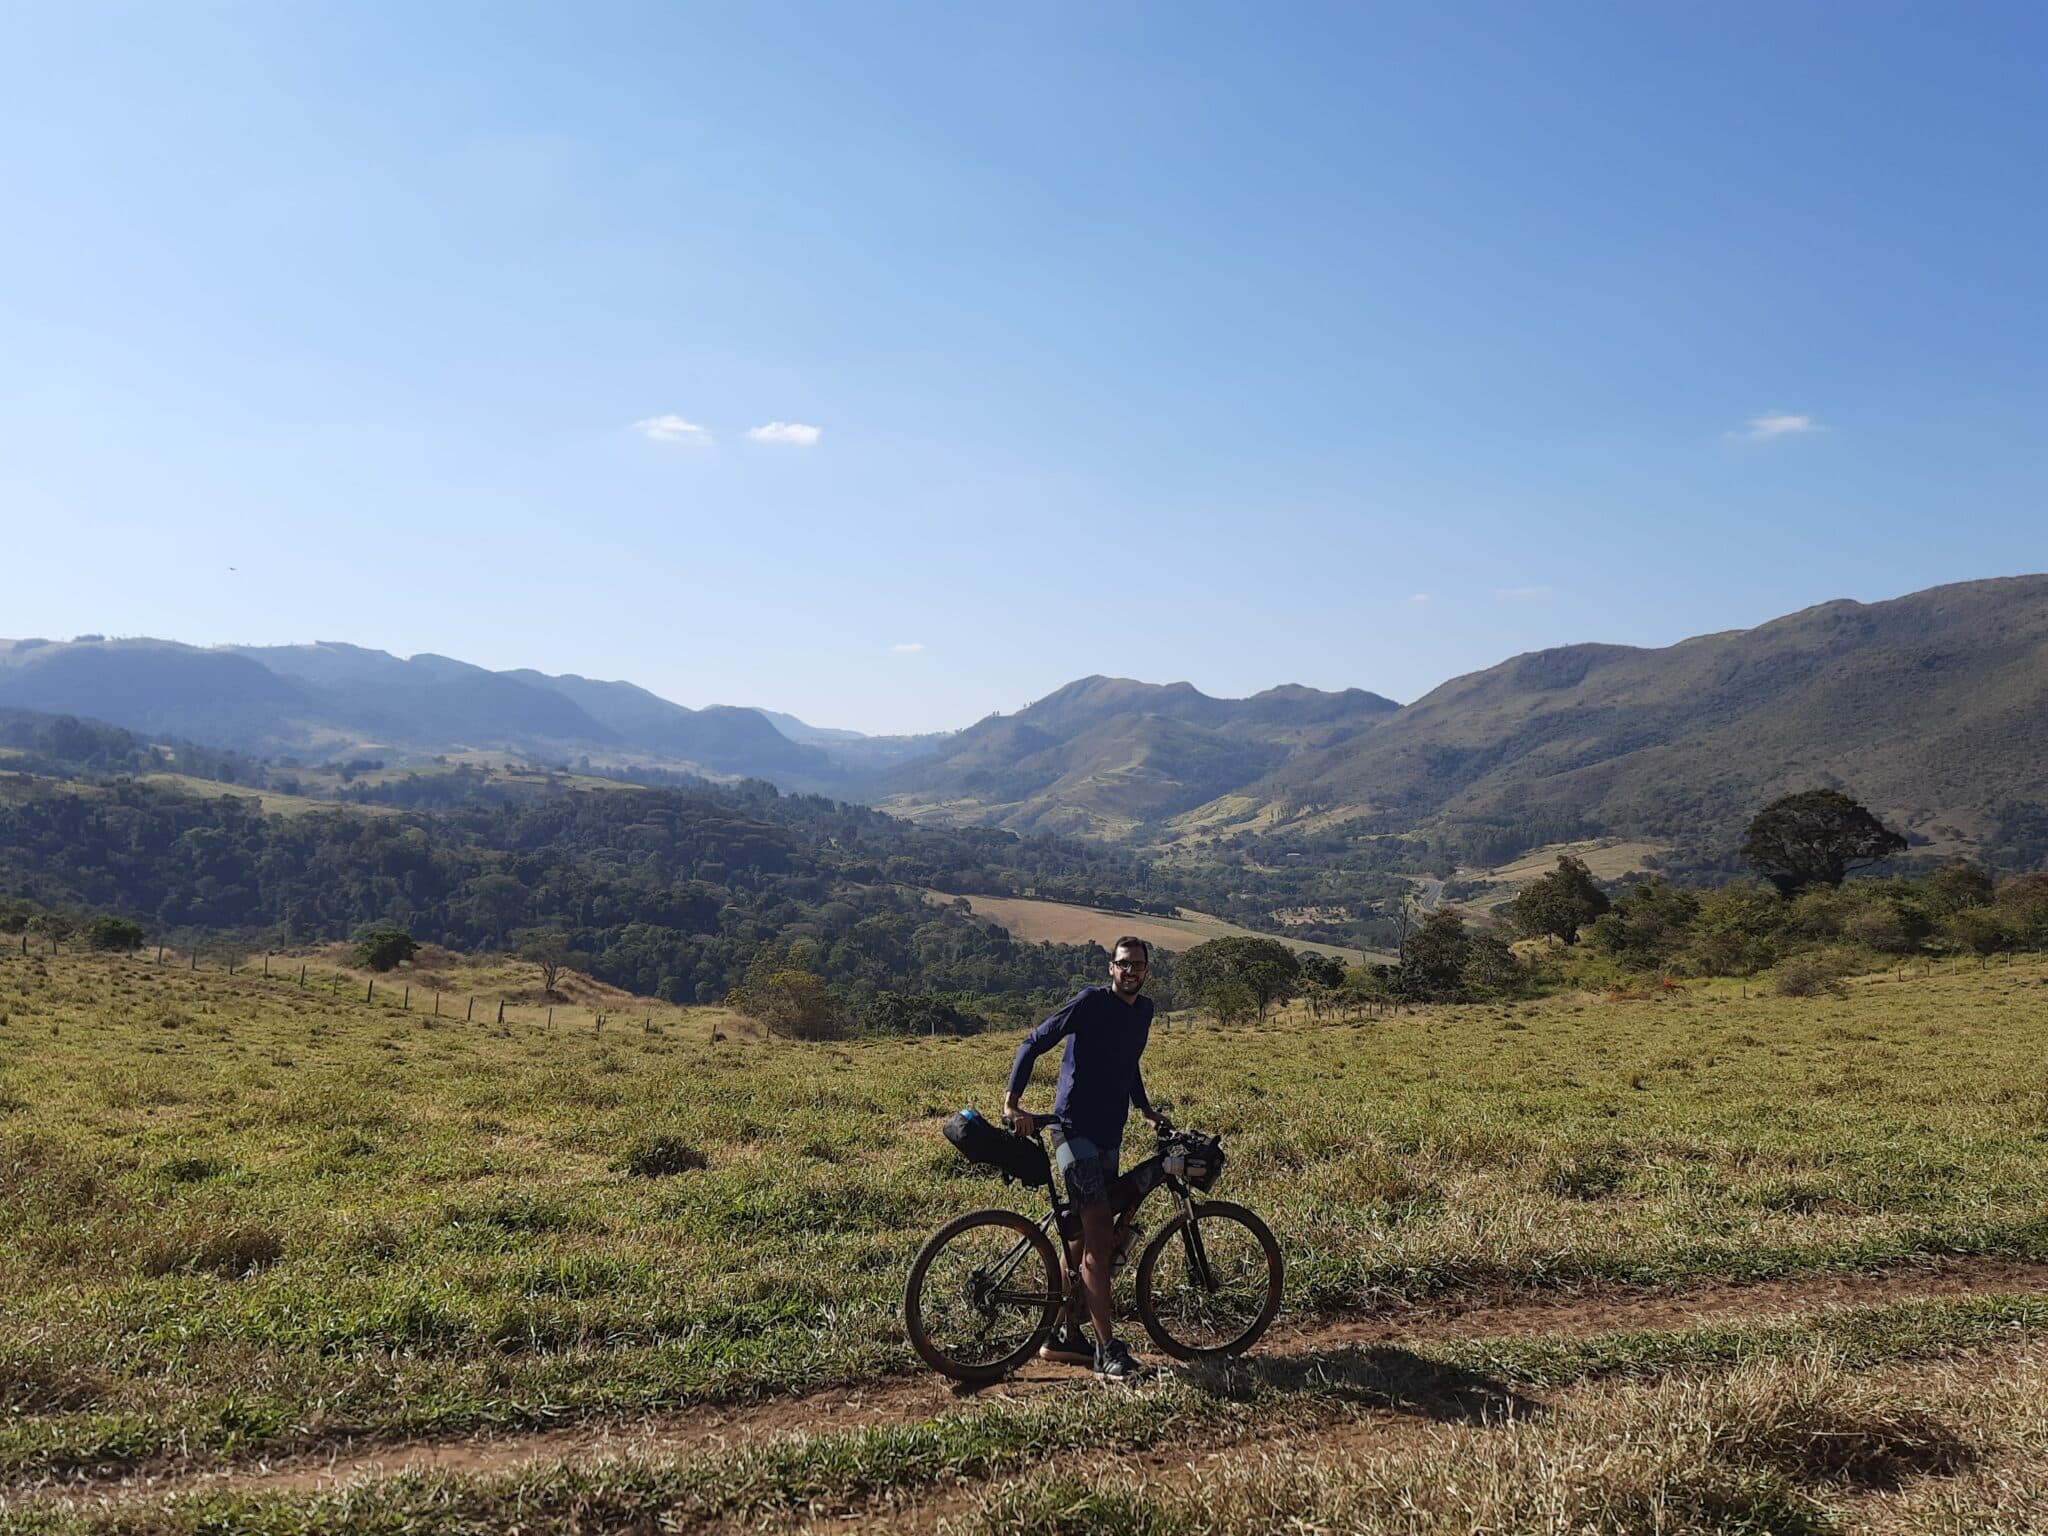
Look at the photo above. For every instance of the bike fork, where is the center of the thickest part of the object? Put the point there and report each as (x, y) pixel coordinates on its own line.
(1198, 1256)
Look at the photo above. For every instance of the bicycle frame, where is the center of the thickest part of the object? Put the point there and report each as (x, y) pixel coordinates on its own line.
(1146, 1177)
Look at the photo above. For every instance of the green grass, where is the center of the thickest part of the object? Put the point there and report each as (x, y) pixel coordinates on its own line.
(245, 1217)
(848, 1471)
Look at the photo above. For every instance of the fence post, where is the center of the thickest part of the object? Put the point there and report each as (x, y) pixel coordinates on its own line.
(302, 973)
(407, 1004)
(471, 1014)
(195, 961)
(266, 964)
(551, 1018)
(501, 1010)
(159, 954)
(372, 992)
(437, 1005)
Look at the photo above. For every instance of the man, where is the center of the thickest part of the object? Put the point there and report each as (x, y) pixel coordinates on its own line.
(1105, 1029)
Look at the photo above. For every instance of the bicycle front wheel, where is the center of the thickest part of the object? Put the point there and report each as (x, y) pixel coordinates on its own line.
(983, 1295)
(1211, 1286)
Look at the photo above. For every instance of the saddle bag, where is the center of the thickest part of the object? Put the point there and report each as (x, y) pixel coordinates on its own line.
(981, 1140)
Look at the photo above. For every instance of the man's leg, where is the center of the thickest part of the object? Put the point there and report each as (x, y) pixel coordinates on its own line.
(1098, 1246)
(1077, 1310)
(1077, 1298)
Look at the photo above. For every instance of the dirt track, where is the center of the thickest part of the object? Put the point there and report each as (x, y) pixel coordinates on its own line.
(1294, 1345)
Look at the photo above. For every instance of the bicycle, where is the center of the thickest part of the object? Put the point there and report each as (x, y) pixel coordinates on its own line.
(987, 1288)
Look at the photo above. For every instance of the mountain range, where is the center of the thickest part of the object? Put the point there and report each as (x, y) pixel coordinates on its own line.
(1932, 708)
(331, 699)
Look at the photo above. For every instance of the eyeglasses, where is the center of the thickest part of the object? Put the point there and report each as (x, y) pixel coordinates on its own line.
(1130, 965)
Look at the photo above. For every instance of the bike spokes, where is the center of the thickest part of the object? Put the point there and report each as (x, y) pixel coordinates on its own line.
(1212, 1284)
(978, 1301)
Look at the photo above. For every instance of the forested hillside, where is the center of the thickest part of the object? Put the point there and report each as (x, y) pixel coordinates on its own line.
(662, 892)
(1933, 708)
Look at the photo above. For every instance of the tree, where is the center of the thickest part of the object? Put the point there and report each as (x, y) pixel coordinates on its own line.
(2025, 897)
(1816, 837)
(54, 926)
(1366, 986)
(1561, 902)
(1958, 884)
(1984, 930)
(1222, 970)
(1736, 931)
(384, 946)
(548, 949)
(1232, 999)
(496, 901)
(1433, 968)
(786, 994)
(1490, 969)
(1648, 927)
(1320, 970)
(119, 934)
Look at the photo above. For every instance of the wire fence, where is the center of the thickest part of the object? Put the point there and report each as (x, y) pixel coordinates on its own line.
(403, 995)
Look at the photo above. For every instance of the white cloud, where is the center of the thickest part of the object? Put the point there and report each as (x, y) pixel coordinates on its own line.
(1778, 424)
(1524, 591)
(672, 429)
(1420, 597)
(796, 433)
(907, 647)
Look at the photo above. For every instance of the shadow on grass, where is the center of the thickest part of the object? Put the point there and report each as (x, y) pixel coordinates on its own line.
(1374, 1376)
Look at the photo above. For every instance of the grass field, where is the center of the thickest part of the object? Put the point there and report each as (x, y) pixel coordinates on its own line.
(1062, 922)
(246, 1220)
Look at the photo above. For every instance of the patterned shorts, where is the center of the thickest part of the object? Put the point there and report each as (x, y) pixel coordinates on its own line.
(1088, 1170)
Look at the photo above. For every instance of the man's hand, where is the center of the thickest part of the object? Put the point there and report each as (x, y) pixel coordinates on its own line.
(1023, 1124)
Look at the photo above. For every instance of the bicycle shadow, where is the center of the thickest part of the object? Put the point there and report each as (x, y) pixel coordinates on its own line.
(1380, 1376)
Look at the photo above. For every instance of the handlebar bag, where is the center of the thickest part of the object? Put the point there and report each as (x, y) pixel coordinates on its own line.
(981, 1140)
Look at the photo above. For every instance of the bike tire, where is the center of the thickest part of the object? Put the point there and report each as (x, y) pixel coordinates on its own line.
(1192, 1322)
(948, 1292)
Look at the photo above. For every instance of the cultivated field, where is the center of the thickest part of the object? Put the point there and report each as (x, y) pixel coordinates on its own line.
(1060, 922)
(1608, 860)
(1697, 1263)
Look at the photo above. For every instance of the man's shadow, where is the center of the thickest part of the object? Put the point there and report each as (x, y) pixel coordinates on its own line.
(1373, 1376)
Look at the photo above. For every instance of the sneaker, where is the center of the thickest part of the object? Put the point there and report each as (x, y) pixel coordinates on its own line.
(1115, 1362)
(1069, 1346)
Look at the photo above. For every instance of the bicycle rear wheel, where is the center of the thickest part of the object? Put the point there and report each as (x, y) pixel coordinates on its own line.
(983, 1295)
(1209, 1287)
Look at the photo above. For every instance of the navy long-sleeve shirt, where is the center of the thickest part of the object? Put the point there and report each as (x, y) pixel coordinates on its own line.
(1099, 1077)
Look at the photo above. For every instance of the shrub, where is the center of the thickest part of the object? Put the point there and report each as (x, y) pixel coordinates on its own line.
(657, 1157)
(120, 935)
(1984, 930)
(384, 947)
(1808, 975)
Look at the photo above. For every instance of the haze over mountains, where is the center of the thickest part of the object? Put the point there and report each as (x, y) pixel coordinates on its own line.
(1932, 707)
(331, 698)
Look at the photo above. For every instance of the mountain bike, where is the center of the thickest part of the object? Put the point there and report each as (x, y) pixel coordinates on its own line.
(987, 1288)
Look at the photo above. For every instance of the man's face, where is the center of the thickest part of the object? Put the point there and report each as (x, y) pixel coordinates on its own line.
(1127, 972)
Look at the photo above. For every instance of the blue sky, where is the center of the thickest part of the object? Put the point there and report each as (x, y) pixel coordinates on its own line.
(1345, 345)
